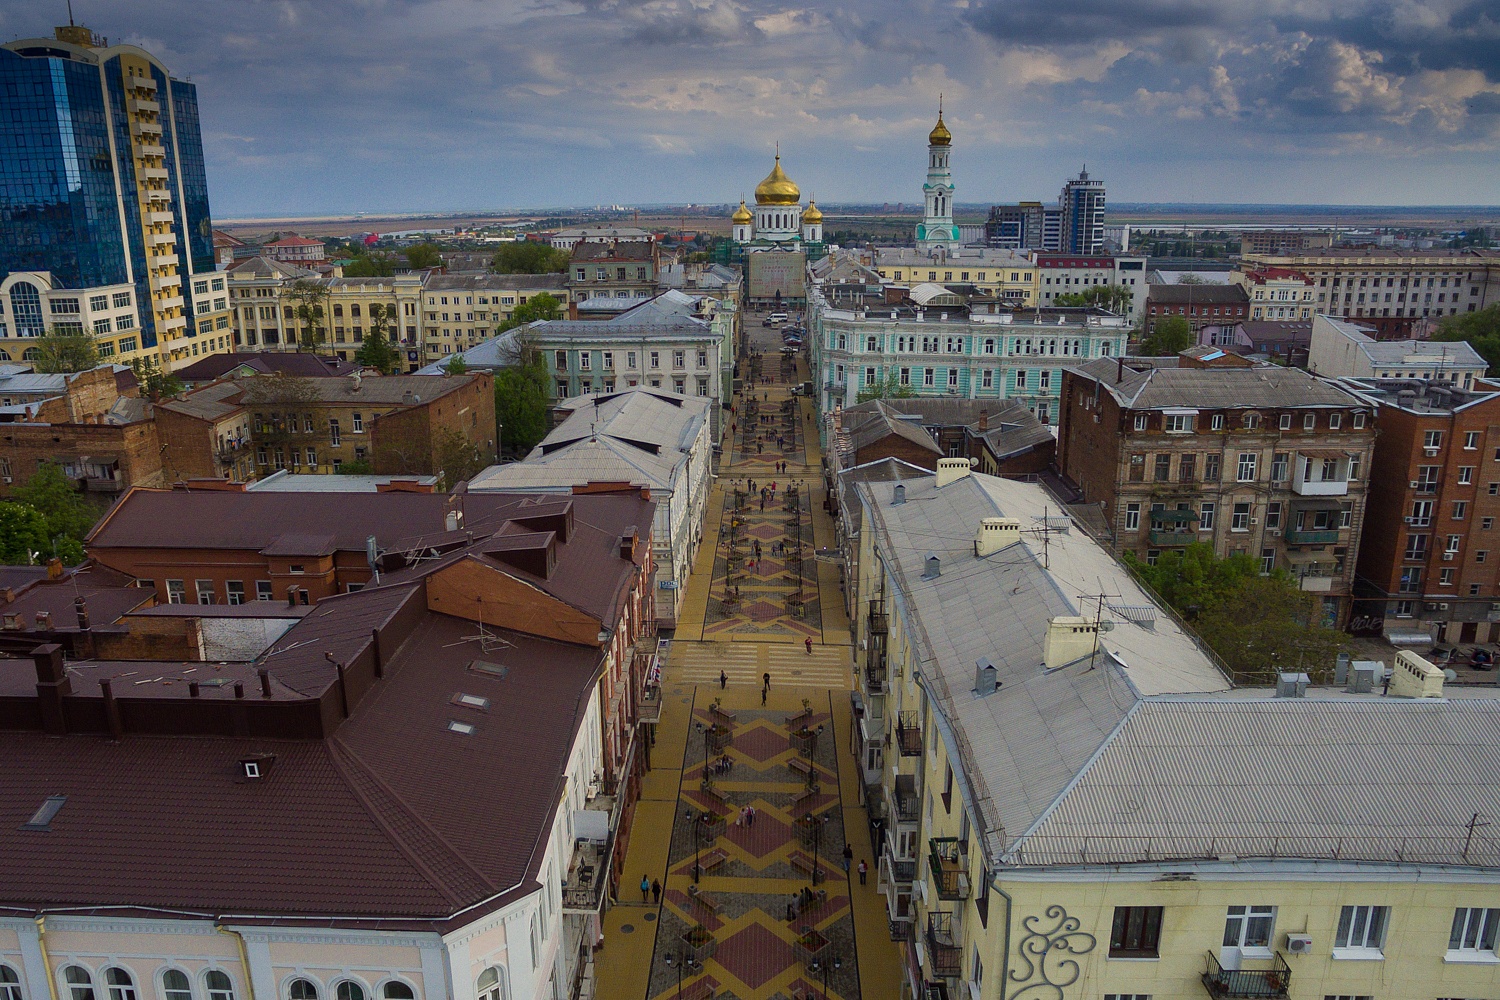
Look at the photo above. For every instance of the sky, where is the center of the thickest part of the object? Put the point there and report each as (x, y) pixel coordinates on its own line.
(334, 106)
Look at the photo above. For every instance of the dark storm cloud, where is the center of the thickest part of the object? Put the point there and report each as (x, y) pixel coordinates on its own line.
(1055, 23)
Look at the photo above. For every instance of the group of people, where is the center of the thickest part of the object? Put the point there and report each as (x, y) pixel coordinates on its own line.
(720, 766)
(746, 817)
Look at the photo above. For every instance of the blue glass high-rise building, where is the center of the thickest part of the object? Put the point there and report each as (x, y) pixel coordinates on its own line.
(105, 225)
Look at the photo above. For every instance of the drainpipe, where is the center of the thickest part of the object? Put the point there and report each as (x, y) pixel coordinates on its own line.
(250, 983)
(1004, 954)
(41, 940)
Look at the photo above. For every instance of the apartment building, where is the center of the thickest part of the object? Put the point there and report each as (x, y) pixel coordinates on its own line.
(105, 198)
(1265, 461)
(461, 310)
(92, 425)
(1001, 274)
(346, 736)
(1283, 241)
(954, 347)
(624, 269)
(239, 428)
(1341, 349)
(644, 440)
(1276, 293)
(1070, 800)
(1392, 291)
(1064, 274)
(1200, 305)
(1425, 564)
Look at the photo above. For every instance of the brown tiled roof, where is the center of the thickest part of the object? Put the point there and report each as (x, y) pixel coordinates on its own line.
(1198, 294)
(286, 362)
(108, 595)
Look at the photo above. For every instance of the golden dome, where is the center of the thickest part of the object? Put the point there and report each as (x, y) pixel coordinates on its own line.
(777, 188)
(812, 216)
(939, 136)
(742, 216)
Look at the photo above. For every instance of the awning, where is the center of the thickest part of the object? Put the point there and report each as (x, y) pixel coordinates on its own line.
(1315, 503)
(1409, 638)
(1175, 516)
(1323, 453)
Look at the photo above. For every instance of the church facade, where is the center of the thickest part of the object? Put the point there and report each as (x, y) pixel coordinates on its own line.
(772, 243)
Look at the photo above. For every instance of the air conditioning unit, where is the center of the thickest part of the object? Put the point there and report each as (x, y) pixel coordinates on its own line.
(1430, 452)
(1274, 532)
(1410, 520)
(1434, 606)
(7, 480)
(1415, 484)
(1299, 944)
(1495, 606)
(1448, 556)
(1255, 520)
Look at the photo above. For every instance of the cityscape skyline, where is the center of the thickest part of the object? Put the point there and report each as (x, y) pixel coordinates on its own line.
(679, 101)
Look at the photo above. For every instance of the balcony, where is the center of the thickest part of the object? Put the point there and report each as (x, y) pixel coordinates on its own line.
(165, 260)
(909, 735)
(588, 872)
(1170, 537)
(1321, 474)
(140, 128)
(161, 239)
(168, 301)
(134, 82)
(1248, 984)
(905, 802)
(901, 870)
(879, 624)
(140, 105)
(875, 674)
(152, 173)
(949, 863)
(944, 952)
(151, 149)
(1317, 536)
(163, 218)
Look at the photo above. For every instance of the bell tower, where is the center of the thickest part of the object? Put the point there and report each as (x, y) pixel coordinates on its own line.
(937, 229)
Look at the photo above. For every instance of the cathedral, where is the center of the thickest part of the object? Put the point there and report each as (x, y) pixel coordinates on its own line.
(779, 222)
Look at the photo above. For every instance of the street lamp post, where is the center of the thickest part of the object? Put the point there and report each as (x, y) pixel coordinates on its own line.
(822, 965)
(688, 962)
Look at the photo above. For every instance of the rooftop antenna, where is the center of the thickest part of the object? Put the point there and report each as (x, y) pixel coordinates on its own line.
(70, 14)
(1098, 619)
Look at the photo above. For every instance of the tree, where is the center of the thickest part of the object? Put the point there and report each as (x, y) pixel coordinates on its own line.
(458, 460)
(423, 256)
(311, 298)
(889, 387)
(521, 398)
(1190, 279)
(66, 517)
(377, 351)
(23, 534)
(538, 307)
(1193, 578)
(365, 265)
(456, 365)
(1170, 335)
(1268, 625)
(66, 353)
(356, 467)
(529, 257)
(1480, 330)
(1115, 298)
(154, 383)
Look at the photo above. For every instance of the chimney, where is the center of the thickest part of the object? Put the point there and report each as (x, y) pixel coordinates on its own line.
(898, 495)
(934, 567)
(984, 421)
(54, 570)
(450, 521)
(951, 470)
(265, 682)
(194, 690)
(408, 397)
(627, 543)
(44, 620)
(1120, 370)
(996, 533)
(1414, 677)
(986, 677)
(112, 711)
(291, 597)
(52, 685)
(81, 609)
(1069, 638)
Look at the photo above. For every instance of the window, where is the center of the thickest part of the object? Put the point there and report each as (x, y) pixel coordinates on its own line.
(219, 986)
(1252, 421)
(1273, 514)
(10, 984)
(1137, 471)
(175, 985)
(1136, 932)
(1140, 418)
(1465, 475)
(1187, 467)
(1132, 517)
(1206, 516)
(80, 984)
(1460, 508)
(234, 591)
(1279, 464)
(119, 984)
(1179, 423)
(302, 989)
(1239, 520)
(1335, 421)
(491, 985)
(397, 990)
(359, 423)
(1216, 422)
(1246, 471)
(263, 591)
(1286, 422)
(1267, 561)
(1249, 927)
(333, 432)
(679, 359)
(1472, 937)
(176, 592)
(1210, 468)
(655, 359)
(1309, 421)
(1471, 440)
(348, 990)
(1432, 439)
(1163, 468)
(1361, 929)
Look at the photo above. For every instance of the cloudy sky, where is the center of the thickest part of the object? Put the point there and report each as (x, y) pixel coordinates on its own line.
(380, 105)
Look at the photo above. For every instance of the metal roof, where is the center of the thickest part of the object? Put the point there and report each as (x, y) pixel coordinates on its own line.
(1264, 386)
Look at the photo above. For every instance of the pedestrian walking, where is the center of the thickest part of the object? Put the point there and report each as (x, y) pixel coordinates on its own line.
(645, 889)
(848, 858)
(762, 503)
(723, 680)
(863, 870)
(763, 693)
(765, 681)
(808, 642)
(751, 815)
(656, 891)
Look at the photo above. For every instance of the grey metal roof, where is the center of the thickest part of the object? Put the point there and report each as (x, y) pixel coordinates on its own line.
(1265, 386)
(1455, 353)
(285, 482)
(1023, 744)
(1372, 778)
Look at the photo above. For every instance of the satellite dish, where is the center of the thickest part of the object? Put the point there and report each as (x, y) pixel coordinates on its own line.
(1450, 674)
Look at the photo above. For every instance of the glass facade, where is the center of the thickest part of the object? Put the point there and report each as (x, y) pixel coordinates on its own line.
(200, 226)
(59, 210)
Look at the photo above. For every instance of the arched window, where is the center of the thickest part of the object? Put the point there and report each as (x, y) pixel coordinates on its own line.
(302, 989)
(119, 984)
(26, 307)
(491, 984)
(219, 986)
(354, 309)
(10, 984)
(348, 990)
(338, 309)
(175, 985)
(31, 354)
(397, 990)
(80, 983)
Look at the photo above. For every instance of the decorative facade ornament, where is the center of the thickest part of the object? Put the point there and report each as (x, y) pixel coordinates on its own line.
(1049, 967)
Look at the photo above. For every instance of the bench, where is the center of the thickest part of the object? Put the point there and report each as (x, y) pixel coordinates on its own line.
(804, 802)
(713, 859)
(701, 990)
(704, 899)
(801, 765)
(804, 862)
(718, 801)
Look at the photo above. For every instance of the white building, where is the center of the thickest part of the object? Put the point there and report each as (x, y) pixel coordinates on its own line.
(565, 239)
(1341, 349)
(32, 304)
(640, 438)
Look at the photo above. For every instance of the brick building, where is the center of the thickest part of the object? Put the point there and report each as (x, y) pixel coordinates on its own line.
(93, 425)
(246, 427)
(1200, 305)
(1003, 436)
(1265, 461)
(1430, 560)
